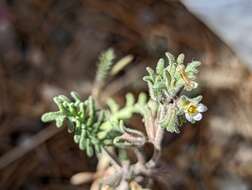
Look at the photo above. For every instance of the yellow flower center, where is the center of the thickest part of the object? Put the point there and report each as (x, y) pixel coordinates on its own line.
(192, 109)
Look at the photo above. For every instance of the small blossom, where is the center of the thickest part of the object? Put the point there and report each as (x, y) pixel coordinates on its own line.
(189, 84)
(193, 112)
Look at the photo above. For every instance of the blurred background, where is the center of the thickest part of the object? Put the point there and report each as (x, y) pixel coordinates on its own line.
(50, 47)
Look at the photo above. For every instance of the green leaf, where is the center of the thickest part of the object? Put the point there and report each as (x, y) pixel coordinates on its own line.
(181, 58)
(121, 64)
(170, 58)
(50, 116)
(58, 101)
(130, 100)
(147, 79)
(151, 73)
(82, 140)
(62, 98)
(192, 69)
(170, 121)
(167, 78)
(160, 66)
(75, 96)
(196, 99)
(151, 91)
(104, 65)
(89, 148)
(113, 106)
(60, 121)
(91, 108)
(142, 99)
(58, 117)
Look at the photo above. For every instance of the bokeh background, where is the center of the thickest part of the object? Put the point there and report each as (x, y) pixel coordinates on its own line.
(50, 47)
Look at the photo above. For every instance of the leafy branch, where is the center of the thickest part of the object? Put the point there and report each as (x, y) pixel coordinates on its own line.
(94, 128)
(167, 108)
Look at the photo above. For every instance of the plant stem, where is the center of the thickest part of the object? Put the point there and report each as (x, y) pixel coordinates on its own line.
(139, 156)
(157, 148)
(113, 159)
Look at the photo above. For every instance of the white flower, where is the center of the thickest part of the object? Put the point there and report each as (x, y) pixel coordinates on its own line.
(193, 112)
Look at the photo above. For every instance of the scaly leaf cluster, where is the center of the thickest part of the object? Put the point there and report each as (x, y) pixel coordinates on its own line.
(94, 128)
(170, 76)
(166, 83)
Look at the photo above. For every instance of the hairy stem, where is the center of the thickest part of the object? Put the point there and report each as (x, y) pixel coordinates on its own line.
(157, 148)
(113, 159)
(139, 155)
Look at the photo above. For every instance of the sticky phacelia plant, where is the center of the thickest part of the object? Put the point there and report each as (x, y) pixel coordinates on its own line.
(103, 130)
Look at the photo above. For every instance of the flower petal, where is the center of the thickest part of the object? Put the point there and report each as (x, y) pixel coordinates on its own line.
(197, 117)
(188, 117)
(201, 108)
(194, 84)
